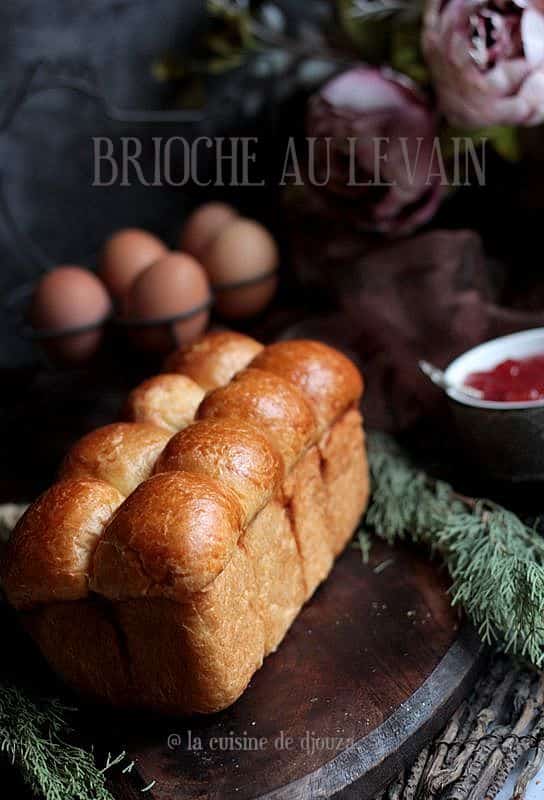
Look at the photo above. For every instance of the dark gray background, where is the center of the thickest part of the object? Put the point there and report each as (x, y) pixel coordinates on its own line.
(50, 213)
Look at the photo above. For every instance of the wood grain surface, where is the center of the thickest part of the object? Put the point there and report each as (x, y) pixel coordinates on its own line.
(371, 669)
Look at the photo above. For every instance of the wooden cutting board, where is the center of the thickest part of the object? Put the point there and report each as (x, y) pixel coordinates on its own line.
(371, 670)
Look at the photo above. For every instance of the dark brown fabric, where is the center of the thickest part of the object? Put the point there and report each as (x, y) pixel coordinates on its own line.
(431, 296)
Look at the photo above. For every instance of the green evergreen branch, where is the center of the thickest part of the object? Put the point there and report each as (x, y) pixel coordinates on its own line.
(32, 738)
(496, 562)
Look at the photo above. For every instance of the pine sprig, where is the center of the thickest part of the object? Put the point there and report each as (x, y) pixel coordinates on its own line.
(496, 562)
(32, 738)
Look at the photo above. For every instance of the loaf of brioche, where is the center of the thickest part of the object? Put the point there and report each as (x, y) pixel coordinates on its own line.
(178, 546)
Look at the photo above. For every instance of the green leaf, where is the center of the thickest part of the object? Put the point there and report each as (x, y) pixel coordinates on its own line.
(385, 32)
(504, 140)
(369, 37)
(406, 55)
(226, 43)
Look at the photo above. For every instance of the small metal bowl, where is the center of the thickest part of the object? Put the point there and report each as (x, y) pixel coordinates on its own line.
(505, 440)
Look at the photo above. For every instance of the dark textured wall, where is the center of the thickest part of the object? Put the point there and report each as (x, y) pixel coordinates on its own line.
(49, 211)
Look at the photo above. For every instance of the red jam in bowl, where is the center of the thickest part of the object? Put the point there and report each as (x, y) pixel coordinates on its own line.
(511, 381)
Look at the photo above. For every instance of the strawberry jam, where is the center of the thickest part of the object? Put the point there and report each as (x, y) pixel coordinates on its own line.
(511, 381)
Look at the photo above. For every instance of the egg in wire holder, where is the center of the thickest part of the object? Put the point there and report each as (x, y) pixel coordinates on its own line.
(129, 324)
(39, 77)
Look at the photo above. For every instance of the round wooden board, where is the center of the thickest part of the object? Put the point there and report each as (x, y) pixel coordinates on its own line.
(371, 669)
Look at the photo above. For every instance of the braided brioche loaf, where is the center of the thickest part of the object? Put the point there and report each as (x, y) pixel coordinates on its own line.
(177, 547)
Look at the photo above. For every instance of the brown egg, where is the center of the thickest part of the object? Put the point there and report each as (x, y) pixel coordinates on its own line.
(65, 298)
(204, 225)
(174, 285)
(243, 252)
(124, 256)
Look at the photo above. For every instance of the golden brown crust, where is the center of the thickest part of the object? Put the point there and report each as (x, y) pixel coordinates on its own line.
(212, 644)
(168, 401)
(185, 585)
(269, 402)
(172, 536)
(306, 503)
(214, 359)
(329, 381)
(234, 453)
(345, 473)
(83, 643)
(272, 549)
(122, 454)
(48, 556)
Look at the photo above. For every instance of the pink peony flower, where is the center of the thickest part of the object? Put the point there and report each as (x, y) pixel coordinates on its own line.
(382, 180)
(487, 60)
